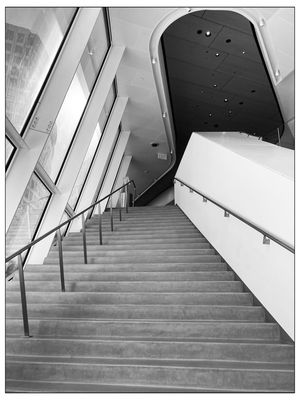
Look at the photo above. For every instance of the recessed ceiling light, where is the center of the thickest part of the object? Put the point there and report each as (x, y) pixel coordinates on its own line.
(201, 91)
(241, 103)
(199, 31)
(154, 144)
(215, 85)
(210, 114)
(225, 100)
(217, 54)
(244, 52)
(208, 33)
(228, 40)
(253, 91)
(229, 112)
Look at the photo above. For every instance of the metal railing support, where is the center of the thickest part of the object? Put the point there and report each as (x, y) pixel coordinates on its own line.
(23, 296)
(84, 239)
(100, 223)
(111, 216)
(61, 260)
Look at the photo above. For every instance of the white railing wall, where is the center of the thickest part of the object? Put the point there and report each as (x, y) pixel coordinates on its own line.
(254, 179)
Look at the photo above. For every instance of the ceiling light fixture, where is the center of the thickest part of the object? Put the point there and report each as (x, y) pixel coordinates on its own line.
(253, 91)
(228, 40)
(210, 114)
(199, 31)
(217, 54)
(154, 144)
(241, 103)
(208, 33)
(164, 115)
(225, 100)
(277, 73)
(153, 60)
(229, 111)
(244, 52)
(215, 85)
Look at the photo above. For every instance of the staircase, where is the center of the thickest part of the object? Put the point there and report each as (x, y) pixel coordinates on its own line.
(154, 310)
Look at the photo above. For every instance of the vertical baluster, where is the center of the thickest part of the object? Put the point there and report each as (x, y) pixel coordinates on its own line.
(84, 239)
(120, 205)
(134, 195)
(126, 198)
(100, 223)
(23, 296)
(61, 260)
(111, 215)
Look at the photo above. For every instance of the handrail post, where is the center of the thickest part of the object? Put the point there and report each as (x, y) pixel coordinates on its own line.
(134, 196)
(100, 223)
(111, 215)
(84, 239)
(61, 260)
(23, 296)
(126, 198)
(120, 205)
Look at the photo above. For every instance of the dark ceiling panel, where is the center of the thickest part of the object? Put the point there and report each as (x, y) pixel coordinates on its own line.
(193, 53)
(196, 74)
(250, 89)
(244, 67)
(240, 44)
(228, 18)
(189, 28)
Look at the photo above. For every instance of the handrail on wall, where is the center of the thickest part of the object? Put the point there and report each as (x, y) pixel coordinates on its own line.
(266, 235)
(59, 240)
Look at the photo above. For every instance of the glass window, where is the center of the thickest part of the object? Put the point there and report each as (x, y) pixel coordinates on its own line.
(33, 35)
(27, 217)
(9, 148)
(107, 107)
(85, 167)
(65, 217)
(59, 141)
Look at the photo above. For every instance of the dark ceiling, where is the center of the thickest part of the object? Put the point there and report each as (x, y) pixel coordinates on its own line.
(217, 81)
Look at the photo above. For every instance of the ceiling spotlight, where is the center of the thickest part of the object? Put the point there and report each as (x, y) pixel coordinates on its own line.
(153, 60)
(208, 33)
(164, 115)
(217, 54)
(241, 103)
(244, 52)
(154, 144)
(225, 100)
(215, 85)
(277, 73)
(229, 111)
(228, 40)
(253, 91)
(199, 31)
(210, 114)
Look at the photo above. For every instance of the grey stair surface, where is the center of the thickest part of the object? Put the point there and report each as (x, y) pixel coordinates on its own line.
(155, 309)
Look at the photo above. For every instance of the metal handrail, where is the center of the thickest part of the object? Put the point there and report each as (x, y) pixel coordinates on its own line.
(266, 235)
(60, 249)
(28, 246)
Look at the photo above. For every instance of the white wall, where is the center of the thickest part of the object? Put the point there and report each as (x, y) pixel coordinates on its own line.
(240, 174)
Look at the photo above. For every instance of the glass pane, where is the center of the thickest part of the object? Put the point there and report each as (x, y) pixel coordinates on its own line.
(64, 218)
(92, 148)
(27, 217)
(84, 168)
(107, 107)
(8, 149)
(32, 39)
(58, 143)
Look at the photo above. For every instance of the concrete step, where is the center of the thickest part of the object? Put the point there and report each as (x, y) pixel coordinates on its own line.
(154, 349)
(134, 286)
(200, 375)
(133, 276)
(133, 258)
(70, 240)
(143, 267)
(148, 229)
(165, 312)
(133, 252)
(192, 298)
(78, 246)
(134, 329)
(140, 236)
